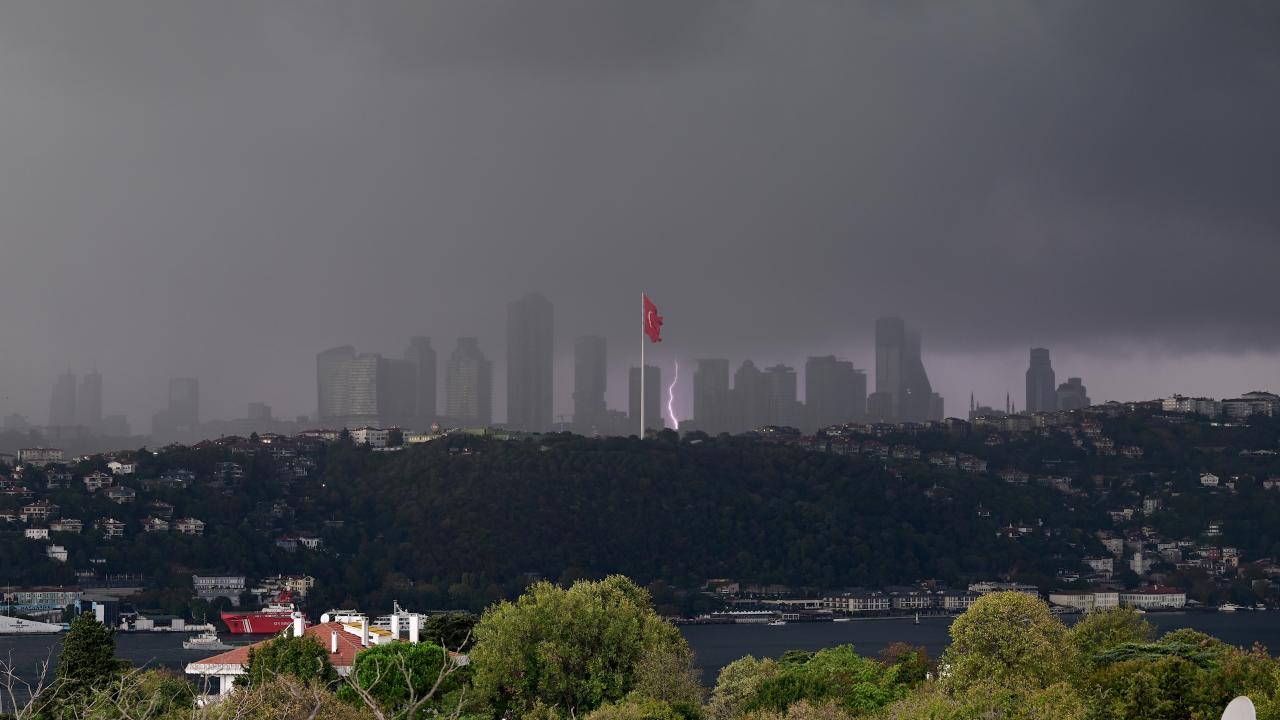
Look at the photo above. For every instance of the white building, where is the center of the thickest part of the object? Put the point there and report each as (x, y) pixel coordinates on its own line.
(1182, 404)
(1152, 598)
(122, 467)
(38, 533)
(39, 456)
(1085, 600)
(1209, 480)
(56, 552)
(371, 436)
(1252, 403)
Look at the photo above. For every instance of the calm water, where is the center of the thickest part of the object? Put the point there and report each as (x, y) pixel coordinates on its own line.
(715, 645)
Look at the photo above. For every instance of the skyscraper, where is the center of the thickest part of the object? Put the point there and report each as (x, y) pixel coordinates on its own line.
(590, 380)
(529, 363)
(89, 402)
(397, 391)
(834, 392)
(62, 403)
(469, 385)
(423, 357)
(1072, 395)
(750, 398)
(1042, 395)
(332, 392)
(184, 401)
(711, 395)
(652, 399)
(782, 396)
(903, 392)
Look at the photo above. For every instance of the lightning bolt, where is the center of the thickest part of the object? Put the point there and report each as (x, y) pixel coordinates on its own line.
(671, 397)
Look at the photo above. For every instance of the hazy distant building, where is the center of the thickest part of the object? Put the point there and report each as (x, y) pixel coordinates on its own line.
(332, 395)
(62, 402)
(1072, 395)
(469, 385)
(397, 392)
(1042, 395)
(423, 358)
(903, 392)
(590, 381)
(180, 421)
(750, 398)
(782, 396)
(89, 403)
(652, 399)
(711, 408)
(529, 363)
(834, 392)
(259, 412)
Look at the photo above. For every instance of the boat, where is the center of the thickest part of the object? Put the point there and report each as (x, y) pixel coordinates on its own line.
(1229, 607)
(205, 641)
(840, 620)
(19, 626)
(271, 619)
(917, 620)
(777, 622)
(1260, 606)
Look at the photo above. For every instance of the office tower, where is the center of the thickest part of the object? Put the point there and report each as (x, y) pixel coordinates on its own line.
(590, 380)
(834, 392)
(332, 392)
(529, 363)
(423, 357)
(750, 398)
(397, 392)
(903, 392)
(469, 385)
(89, 402)
(711, 395)
(259, 412)
(937, 408)
(1072, 395)
(1042, 395)
(653, 389)
(62, 403)
(781, 393)
(184, 401)
(891, 339)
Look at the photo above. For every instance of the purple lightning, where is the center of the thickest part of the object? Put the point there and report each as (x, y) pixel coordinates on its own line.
(671, 397)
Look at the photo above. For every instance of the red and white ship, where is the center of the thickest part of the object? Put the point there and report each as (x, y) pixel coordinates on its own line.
(269, 620)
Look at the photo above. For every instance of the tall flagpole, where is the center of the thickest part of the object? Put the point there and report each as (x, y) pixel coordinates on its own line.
(644, 322)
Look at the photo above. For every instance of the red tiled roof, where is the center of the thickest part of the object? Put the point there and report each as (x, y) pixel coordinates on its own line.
(348, 647)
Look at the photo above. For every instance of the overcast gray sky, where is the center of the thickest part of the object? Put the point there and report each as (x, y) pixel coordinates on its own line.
(221, 189)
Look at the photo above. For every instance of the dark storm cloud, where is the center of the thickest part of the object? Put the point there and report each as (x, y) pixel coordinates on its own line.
(221, 189)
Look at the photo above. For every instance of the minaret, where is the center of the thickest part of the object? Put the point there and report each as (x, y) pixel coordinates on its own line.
(972, 407)
(1008, 409)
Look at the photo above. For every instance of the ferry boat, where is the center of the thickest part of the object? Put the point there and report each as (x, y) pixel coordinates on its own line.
(1229, 607)
(840, 620)
(777, 622)
(205, 641)
(272, 619)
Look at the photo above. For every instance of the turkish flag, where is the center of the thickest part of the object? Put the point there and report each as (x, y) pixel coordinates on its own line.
(652, 321)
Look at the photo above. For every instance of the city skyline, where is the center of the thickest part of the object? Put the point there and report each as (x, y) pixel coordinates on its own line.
(197, 221)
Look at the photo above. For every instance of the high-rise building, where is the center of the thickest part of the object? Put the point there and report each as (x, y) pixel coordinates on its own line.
(332, 391)
(62, 403)
(423, 357)
(711, 409)
(1072, 395)
(782, 395)
(259, 412)
(89, 402)
(469, 385)
(652, 399)
(529, 363)
(834, 392)
(590, 381)
(1042, 395)
(397, 391)
(184, 401)
(903, 392)
(750, 398)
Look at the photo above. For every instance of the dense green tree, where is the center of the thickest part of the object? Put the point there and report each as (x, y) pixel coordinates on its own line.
(1102, 630)
(1009, 639)
(566, 652)
(452, 630)
(303, 658)
(405, 681)
(88, 656)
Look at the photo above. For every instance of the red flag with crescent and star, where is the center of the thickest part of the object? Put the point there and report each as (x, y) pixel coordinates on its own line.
(652, 321)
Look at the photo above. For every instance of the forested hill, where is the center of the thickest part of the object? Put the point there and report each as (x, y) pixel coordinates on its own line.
(492, 512)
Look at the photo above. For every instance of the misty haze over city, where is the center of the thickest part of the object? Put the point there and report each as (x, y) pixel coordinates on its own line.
(223, 190)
